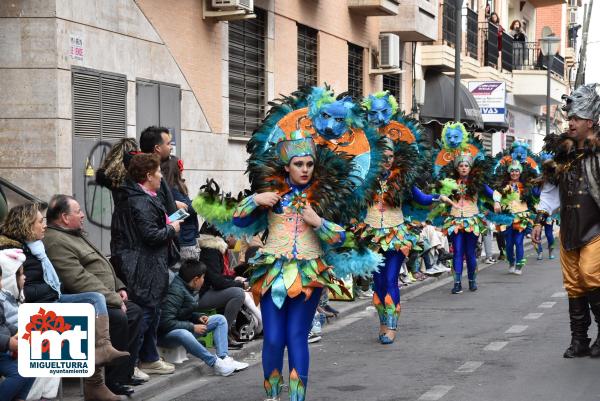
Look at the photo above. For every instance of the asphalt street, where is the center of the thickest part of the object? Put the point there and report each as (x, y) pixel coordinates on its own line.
(501, 343)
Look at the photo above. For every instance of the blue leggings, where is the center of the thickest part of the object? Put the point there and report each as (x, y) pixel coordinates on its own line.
(465, 247)
(287, 327)
(514, 244)
(549, 231)
(385, 282)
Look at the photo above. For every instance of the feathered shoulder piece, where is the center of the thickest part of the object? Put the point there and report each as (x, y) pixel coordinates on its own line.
(217, 208)
(331, 188)
(564, 148)
(549, 169)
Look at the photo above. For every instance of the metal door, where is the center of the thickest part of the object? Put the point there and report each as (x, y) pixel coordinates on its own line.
(159, 103)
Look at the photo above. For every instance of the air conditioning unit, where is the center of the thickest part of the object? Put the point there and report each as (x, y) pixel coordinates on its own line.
(420, 91)
(247, 5)
(389, 51)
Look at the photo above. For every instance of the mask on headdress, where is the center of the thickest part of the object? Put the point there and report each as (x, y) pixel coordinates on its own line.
(454, 136)
(515, 165)
(295, 144)
(380, 106)
(331, 118)
(584, 103)
(519, 151)
(463, 157)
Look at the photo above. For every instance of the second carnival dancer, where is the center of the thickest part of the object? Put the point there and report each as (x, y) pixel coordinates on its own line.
(384, 228)
(548, 175)
(462, 169)
(517, 186)
(577, 195)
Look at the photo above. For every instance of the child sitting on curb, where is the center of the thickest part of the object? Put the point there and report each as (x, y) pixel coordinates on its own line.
(180, 322)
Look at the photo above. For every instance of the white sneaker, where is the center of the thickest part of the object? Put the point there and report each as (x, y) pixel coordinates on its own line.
(223, 367)
(511, 269)
(139, 375)
(368, 293)
(236, 364)
(313, 338)
(490, 261)
(518, 272)
(316, 328)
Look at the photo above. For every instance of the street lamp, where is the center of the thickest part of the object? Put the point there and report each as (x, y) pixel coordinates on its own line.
(549, 45)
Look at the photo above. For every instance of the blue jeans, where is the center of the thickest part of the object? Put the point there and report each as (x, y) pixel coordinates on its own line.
(148, 336)
(14, 386)
(177, 337)
(94, 298)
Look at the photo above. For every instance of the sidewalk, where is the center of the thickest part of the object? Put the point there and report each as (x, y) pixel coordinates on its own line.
(193, 369)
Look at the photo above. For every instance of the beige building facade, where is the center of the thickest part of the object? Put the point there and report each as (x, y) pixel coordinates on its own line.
(77, 75)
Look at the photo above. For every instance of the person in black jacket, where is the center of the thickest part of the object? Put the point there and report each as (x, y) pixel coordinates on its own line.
(145, 253)
(219, 291)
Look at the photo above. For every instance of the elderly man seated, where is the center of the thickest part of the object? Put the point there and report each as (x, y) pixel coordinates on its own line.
(83, 268)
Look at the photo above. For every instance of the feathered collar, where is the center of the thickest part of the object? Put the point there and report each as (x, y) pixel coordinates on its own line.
(565, 149)
(394, 185)
(328, 192)
(473, 184)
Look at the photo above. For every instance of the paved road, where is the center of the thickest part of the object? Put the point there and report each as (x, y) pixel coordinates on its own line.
(502, 343)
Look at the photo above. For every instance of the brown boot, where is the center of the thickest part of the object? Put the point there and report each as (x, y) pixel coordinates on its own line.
(105, 352)
(95, 390)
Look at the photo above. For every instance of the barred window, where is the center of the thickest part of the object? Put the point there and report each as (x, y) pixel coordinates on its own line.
(247, 74)
(307, 56)
(355, 71)
(392, 83)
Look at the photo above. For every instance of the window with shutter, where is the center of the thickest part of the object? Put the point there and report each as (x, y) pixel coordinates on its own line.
(99, 104)
(247, 74)
(355, 71)
(307, 56)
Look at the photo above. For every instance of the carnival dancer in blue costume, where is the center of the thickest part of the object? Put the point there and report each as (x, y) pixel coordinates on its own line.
(300, 184)
(463, 170)
(519, 193)
(384, 228)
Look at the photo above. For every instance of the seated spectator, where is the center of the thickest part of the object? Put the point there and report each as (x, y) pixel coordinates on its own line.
(14, 386)
(25, 227)
(220, 291)
(180, 321)
(144, 253)
(188, 235)
(81, 267)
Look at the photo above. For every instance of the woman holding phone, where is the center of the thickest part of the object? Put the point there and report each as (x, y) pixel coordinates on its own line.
(172, 170)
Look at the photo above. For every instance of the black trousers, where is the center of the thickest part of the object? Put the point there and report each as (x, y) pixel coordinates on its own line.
(124, 335)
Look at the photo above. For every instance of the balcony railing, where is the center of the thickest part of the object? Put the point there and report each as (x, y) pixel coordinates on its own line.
(490, 44)
(528, 56)
(507, 52)
(472, 33)
(449, 23)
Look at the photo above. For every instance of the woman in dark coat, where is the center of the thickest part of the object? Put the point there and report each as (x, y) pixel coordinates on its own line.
(144, 252)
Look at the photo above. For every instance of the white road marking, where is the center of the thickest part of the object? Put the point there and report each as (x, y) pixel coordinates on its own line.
(561, 294)
(495, 346)
(435, 393)
(469, 367)
(547, 305)
(516, 329)
(533, 316)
